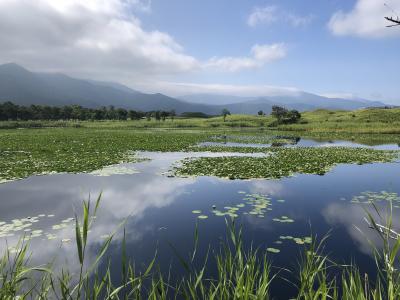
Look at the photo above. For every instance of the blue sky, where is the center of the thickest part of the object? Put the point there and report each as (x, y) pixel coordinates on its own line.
(332, 47)
(317, 60)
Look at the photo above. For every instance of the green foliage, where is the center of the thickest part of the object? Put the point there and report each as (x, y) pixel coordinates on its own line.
(241, 273)
(10, 111)
(224, 113)
(280, 162)
(28, 152)
(318, 122)
(284, 116)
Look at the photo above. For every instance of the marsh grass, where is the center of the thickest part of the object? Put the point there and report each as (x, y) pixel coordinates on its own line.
(241, 272)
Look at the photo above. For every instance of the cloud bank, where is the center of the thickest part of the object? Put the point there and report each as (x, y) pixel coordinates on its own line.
(92, 35)
(103, 39)
(366, 19)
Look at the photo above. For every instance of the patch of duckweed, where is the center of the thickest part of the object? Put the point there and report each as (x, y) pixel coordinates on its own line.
(282, 162)
(202, 217)
(196, 211)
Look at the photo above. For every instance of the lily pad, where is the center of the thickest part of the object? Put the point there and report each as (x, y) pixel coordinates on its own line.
(273, 250)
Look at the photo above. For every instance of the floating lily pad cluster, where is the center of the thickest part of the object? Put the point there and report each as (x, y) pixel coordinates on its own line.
(260, 204)
(254, 139)
(200, 215)
(368, 197)
(231, 211)
(281, 162)
(114, 170)
(297, 240)
(24, 227)
(283, 219)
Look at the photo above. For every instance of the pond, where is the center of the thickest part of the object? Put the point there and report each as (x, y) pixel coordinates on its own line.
(159, 210)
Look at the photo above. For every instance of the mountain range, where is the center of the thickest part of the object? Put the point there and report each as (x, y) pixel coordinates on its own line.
(24, 87)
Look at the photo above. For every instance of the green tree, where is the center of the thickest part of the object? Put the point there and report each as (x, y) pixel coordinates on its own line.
(285, 116)
(224, 113)
(172, 114)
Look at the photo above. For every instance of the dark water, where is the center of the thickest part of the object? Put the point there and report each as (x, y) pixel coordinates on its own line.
(158, 211)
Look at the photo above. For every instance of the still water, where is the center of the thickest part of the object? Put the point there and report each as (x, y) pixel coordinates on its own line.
(156, 210)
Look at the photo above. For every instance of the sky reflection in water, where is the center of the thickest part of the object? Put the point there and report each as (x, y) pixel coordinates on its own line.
(158, 210)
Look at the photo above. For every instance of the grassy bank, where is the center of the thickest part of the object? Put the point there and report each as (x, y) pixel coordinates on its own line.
(384, 121)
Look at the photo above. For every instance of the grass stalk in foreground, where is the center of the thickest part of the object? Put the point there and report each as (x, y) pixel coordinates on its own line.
(240, 273)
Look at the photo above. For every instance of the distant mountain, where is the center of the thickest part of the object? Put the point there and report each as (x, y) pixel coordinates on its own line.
(301, 101)
(212, 99)
(25, 88)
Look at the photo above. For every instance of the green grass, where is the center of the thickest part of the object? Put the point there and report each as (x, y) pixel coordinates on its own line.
(383, 121)
(280, 162)
(240, 273)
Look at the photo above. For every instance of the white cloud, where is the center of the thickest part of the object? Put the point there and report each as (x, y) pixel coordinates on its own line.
(88, 37)
(366, 19)
(272, 14)
(184, 88)
(341, 95)
(260, 55)
(267, 53)
(262, 15)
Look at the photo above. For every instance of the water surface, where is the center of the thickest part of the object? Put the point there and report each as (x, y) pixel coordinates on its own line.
(157, 210)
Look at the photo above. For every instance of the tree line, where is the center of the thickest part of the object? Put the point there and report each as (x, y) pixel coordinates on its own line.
(13, 112)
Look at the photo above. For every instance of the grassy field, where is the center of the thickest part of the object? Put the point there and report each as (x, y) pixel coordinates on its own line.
(44, 147)
(319, 121)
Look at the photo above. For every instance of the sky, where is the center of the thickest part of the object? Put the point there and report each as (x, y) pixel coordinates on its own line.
(336, 48)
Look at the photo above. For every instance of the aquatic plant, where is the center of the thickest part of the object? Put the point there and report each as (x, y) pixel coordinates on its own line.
(281, 162)
(241, 273)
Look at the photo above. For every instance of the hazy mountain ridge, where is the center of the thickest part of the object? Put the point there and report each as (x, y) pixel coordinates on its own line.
(25, 88)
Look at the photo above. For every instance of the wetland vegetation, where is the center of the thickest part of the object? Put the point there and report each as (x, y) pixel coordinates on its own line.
(241, 273)
(246, 261)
